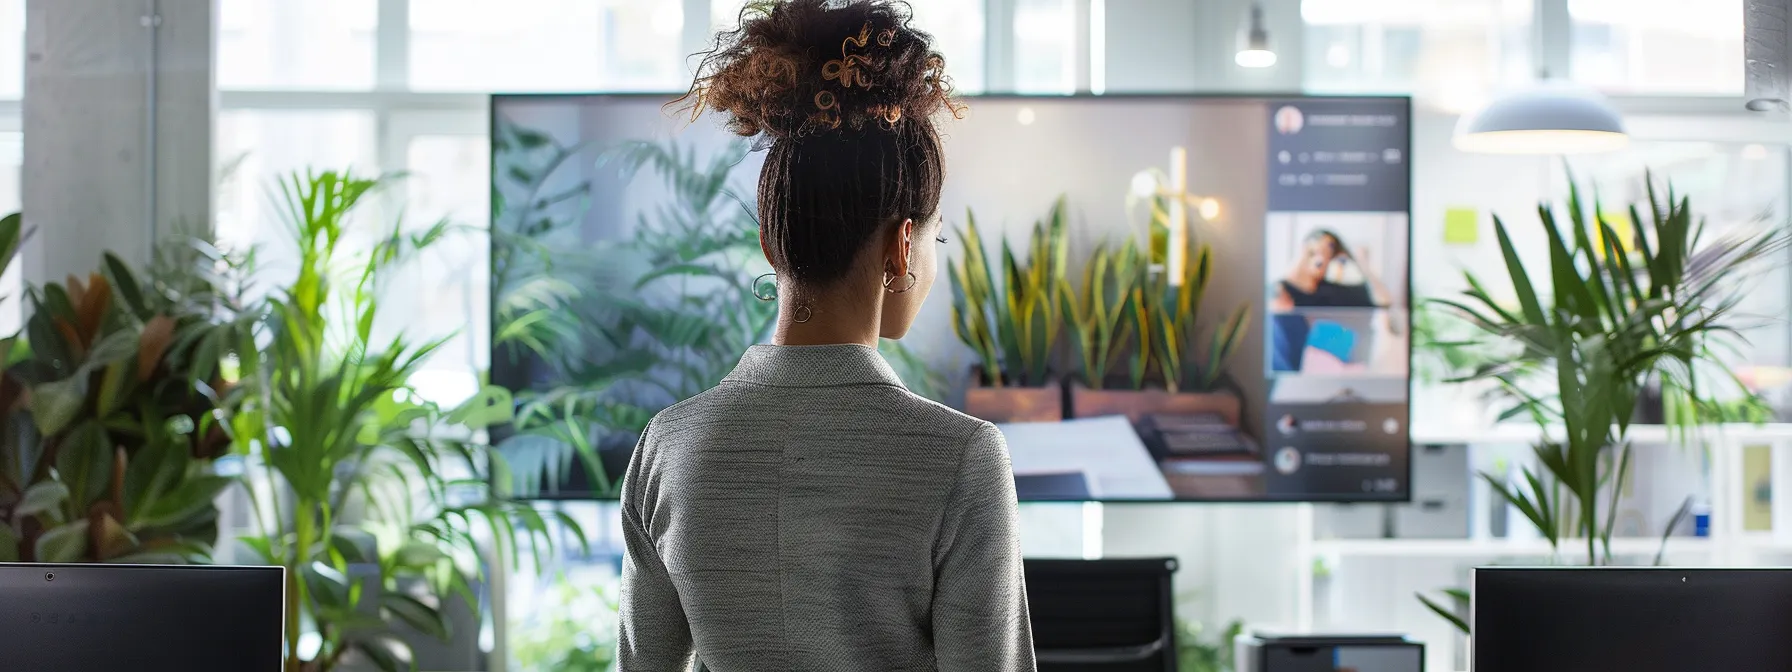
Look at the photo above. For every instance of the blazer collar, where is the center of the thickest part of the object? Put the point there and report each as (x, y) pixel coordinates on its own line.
(813, 366)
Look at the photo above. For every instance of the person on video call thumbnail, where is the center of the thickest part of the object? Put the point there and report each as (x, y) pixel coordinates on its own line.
(1314, 280)
(1309, 281)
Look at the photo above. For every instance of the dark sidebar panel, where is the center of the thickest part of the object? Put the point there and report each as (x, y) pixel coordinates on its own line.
(1337, 310)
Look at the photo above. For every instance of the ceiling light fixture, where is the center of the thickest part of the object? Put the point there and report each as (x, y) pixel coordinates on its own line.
(1548, 117)
(1253, 42)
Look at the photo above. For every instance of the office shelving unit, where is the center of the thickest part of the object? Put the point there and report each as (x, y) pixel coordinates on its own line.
(1370, 584)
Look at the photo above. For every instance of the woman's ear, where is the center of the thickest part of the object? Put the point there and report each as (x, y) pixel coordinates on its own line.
(901, 248)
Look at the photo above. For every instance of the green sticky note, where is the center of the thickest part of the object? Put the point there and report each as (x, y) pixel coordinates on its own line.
(1462, 226)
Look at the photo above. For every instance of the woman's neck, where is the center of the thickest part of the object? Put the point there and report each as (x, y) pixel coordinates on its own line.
(846, 315)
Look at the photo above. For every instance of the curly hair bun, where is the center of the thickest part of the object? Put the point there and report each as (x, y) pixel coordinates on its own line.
(800, 67)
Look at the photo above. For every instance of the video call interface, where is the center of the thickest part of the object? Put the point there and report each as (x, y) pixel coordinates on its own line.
(1304, 203)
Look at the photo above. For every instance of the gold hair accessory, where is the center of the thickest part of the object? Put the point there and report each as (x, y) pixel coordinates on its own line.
(846, 68)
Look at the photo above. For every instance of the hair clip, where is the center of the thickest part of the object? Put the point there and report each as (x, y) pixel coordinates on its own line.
(886, 38)
(859, 41)
(846, 68)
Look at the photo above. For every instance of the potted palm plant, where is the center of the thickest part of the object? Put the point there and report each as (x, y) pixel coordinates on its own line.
(1616, 315)
(374, 499)
(1013, 328)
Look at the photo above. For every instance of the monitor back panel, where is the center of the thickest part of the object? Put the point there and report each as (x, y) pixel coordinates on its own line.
(119, 618)
(1632, 620)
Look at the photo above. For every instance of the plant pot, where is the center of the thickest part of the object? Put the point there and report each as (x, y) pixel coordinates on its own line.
(1650, 407)
(1086, 402)
(1014, 404)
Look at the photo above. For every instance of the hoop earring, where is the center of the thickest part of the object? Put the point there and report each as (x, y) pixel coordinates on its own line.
(911, 283)
(801, 313)
(770, 296)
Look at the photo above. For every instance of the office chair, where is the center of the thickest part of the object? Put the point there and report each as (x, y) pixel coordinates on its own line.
(1102, 615)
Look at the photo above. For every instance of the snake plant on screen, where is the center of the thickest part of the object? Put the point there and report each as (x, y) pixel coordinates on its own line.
(1101, 313)
(1013, 329)
(1173, 310)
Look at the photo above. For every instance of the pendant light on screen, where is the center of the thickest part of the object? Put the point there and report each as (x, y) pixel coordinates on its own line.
(1253, 42)
(1548, 117)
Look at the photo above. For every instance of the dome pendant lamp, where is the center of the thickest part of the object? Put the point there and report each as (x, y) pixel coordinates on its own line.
(1548, 117)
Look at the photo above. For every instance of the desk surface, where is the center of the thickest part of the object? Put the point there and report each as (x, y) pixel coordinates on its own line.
(1108, 449)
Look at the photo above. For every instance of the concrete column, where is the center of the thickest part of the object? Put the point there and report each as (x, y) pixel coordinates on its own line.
(119, 103)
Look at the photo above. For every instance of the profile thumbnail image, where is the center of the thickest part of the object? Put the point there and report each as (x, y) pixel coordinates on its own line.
(1337, 293)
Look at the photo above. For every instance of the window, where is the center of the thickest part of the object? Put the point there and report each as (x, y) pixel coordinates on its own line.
(12, 151)
(1044, 46)
(545, 45)
(1658, 46)
(283, 44)
(956, 27)
(447, 176)
(12, 48)
(1453, 52)
(257, 147)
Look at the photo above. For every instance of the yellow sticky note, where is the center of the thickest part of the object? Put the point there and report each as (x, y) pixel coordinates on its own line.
(1462, 226)
(1621, 227)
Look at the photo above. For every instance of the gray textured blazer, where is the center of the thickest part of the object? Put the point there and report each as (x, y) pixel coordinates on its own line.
(810, 513)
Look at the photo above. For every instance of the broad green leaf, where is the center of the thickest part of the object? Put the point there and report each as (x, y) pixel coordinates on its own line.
(1521, 281)
(124, 281)
(386, 653)
(56, 404)
(195, 495)
(493, 405)
(85, 463)
(65, 543)
(12, 234)
(418, 554)
(118, 346)
(115, 383)
(9, 543)
(424, 618)
(41, 497)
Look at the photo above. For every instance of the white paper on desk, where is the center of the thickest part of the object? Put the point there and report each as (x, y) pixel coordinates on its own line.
(1105, 448)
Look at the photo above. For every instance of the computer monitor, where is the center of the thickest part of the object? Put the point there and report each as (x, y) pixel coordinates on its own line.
(1115, 615)
(1631, 619)
(624, 255)
(140, 618)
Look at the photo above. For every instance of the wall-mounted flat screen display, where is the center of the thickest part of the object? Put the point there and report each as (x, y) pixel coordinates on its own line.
(1252, 256)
